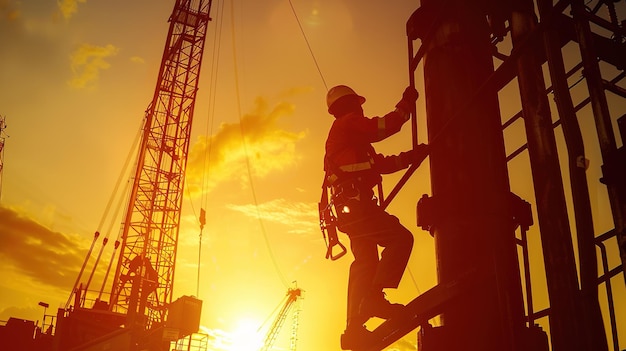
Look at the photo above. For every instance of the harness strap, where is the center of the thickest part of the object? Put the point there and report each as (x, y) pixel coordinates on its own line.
(328, 224)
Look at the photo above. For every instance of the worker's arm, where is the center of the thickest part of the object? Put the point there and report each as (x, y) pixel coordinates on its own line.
(390, 164)
(394, 163)
(378, 128)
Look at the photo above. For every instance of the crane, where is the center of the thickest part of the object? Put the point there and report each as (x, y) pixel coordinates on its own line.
(144, 276)
(140, 312)
(3, 126)
(293, 295)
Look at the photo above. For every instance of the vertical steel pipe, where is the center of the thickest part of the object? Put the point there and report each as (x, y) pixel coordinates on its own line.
(470, 183)
(604, 128)
(560, 265)
(593, 324)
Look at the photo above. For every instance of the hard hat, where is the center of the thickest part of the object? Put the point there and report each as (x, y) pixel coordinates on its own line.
(339, 91)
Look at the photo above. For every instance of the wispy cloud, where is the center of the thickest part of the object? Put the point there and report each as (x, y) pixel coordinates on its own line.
(87, 62)
(69, 7)
(264, 147)
(302, 217)
(37, 252)
(137, 59)
(8, 12)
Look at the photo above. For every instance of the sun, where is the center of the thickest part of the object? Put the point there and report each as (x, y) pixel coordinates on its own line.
(243, 335)
(246, 335)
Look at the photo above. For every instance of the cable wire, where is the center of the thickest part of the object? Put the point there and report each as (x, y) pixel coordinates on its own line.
(308, 45)
(208, 132)
(245, 147)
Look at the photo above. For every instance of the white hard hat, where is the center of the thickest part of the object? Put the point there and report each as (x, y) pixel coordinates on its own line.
(339, 91)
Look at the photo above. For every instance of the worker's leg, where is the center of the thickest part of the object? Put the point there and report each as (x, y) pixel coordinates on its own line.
(365, 251)
(385, 230)
(398, 243)
(368, 225)
(362, 271)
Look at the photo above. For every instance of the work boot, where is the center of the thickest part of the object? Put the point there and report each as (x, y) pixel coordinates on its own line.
(355, 337)
(376, 305)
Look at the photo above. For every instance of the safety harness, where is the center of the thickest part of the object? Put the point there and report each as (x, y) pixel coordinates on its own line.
(328, 224)
(333, 178)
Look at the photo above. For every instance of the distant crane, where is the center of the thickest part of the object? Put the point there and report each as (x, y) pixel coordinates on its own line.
(291, 297)
(3, 126)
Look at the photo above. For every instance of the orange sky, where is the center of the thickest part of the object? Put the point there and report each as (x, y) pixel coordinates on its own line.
(76, 79)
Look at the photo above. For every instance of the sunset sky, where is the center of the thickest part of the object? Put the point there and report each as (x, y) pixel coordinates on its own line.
(77, 76)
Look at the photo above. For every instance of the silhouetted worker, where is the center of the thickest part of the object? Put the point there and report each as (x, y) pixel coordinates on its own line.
(352, 169)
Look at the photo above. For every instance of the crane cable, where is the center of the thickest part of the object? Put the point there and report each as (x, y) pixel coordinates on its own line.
(295, 14)
(293, 10)
(326, 86)
(208, 132)
(282, 302)
(105, 240)
(217, 36)
(82, 269)
(245, 147)
(117, 240)
(118, 207)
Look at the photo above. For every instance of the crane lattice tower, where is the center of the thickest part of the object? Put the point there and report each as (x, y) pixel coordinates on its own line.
(144, 275)
(3, 126)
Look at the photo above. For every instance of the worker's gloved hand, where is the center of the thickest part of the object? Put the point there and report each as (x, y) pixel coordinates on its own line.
(407, 103)
(414, 157)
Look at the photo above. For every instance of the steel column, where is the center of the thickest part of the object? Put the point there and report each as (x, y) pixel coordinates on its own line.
(604, 128)
(560, 266)
(470, 184)
(593, 324)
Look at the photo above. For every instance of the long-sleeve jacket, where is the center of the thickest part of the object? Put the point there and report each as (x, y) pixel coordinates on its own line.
(350, 155)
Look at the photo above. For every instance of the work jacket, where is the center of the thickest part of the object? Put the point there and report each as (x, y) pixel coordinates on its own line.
(350, 156)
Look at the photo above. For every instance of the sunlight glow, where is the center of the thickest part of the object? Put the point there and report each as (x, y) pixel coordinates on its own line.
(246, 336)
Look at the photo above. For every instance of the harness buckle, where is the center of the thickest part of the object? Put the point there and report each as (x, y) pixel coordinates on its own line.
(346, 191)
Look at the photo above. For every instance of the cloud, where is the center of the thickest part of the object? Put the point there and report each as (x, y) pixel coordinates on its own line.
(264, 148)
(137, 59)
(87, 62)
(35, 251)
(302, 217)
(8, 12)
(69, 7)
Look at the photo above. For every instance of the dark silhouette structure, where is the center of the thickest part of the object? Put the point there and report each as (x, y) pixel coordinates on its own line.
(471, 54)
(471, 51)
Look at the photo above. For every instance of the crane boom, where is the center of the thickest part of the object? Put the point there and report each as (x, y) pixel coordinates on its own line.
(144, 276)
(3, 126)
(292, 296)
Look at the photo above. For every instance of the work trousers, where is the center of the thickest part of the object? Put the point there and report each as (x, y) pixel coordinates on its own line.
(369, 226)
